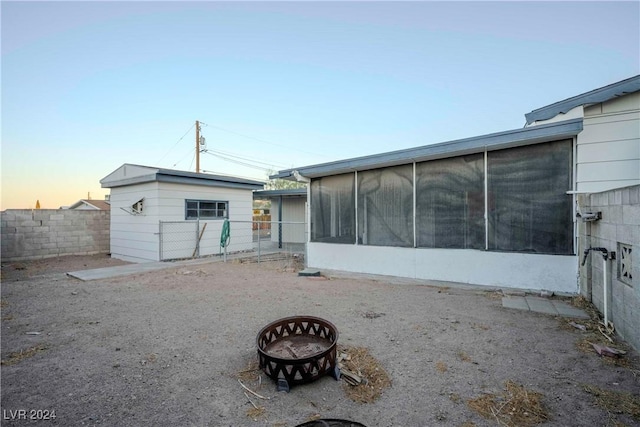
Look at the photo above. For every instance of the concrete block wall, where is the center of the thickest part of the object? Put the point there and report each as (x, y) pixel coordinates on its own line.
(620, 224)
(43, 233)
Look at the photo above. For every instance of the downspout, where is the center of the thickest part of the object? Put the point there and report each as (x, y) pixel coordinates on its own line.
(606, 256)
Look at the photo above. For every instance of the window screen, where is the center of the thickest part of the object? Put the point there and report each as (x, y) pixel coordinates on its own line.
(333, 209)
(529, 209)
(385, 206)
(205, 209)
(450, 203)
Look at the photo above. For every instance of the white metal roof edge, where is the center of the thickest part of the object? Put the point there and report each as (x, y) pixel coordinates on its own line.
(595, 96)
(494, 141)
(182, 177)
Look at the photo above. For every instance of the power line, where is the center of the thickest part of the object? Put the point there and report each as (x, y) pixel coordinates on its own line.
(261, 140)
(248, 159)
(238, 161)
(192, 150)
(177, 142)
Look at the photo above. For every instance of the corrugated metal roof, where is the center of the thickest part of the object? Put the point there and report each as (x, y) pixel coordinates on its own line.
(494, 141)
(595, 96)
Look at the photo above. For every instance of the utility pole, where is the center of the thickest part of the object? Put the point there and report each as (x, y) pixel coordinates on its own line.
(197, 146)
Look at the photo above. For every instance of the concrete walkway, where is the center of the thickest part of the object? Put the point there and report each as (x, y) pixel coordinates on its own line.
(143, 267)
(543, 305)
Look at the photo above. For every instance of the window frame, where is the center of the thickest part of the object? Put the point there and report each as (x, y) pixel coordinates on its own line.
(199, 209)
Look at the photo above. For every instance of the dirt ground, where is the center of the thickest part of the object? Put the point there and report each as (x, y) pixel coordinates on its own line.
(166, 348)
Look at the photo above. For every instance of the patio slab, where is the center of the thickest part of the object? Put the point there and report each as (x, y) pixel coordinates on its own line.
(543, 305)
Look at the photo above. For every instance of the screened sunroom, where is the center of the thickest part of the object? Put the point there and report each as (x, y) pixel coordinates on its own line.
(490, 210)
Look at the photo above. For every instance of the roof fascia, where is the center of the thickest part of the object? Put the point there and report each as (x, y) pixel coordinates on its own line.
(174, 179)
(595, 96)
(495, 141)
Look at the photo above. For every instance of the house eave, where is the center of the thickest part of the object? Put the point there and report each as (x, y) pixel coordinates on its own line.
(490, 142)
(595, 96)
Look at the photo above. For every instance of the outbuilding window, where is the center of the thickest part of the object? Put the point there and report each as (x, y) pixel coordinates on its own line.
(206, 209)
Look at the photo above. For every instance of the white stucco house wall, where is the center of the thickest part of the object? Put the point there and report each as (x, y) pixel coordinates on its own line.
(496, 210)
(159, 214)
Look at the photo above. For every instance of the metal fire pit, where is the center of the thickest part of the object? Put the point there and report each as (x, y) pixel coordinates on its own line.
(331, 423)
(297, 350)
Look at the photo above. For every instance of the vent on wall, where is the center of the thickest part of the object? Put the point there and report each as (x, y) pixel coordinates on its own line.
(625, 263)
(136, 208)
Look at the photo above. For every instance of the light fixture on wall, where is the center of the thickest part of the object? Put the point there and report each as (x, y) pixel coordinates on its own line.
(589, 216)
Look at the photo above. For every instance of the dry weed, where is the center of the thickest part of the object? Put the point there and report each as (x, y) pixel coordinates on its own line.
(455, 397)
(516, 406)
(615, 402)
(480, 326)
(3, 303)
(364, 364)
(256, 413)
(441, 367)
(18, 356)
(464, 357)
(250, 373)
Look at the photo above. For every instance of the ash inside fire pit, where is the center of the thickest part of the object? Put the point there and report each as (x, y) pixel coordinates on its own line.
(297, 350)
(297, 347)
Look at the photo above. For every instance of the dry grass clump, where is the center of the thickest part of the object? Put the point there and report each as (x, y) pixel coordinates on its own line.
(616, 402)
(18, 356)
(256, 413)
(364, 364)
(250, 373)
(464, 357)
(3, 303)
(516, 406)
(441, 367)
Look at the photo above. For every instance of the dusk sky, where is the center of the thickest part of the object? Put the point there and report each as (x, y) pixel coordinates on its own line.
(88, 86)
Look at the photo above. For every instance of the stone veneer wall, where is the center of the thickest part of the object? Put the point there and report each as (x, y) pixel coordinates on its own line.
(43, 233)
(619, 231)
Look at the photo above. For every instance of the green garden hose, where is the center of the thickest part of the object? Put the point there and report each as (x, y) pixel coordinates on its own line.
(225, 236)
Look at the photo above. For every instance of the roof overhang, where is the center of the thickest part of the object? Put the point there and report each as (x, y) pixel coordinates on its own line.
(595, 96)
(181, 177)
(490, 142)
(288, 192)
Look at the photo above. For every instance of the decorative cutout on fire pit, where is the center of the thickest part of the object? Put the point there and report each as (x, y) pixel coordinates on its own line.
(297, 349)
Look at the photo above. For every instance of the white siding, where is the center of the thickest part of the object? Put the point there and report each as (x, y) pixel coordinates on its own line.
(608, 148)
(134, 237)
(496, 269)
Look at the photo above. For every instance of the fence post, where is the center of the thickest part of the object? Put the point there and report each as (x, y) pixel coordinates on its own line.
(198, 237)
(259, 239)
(160, 239)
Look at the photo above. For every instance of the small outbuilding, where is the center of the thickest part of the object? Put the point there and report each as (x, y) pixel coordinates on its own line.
(161, 214)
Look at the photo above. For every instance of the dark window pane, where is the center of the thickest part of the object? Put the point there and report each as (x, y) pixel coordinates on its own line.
(529, 209)
(385, 206)
(207, 205)
(450, 203)
(333, 209)
(192, 204)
